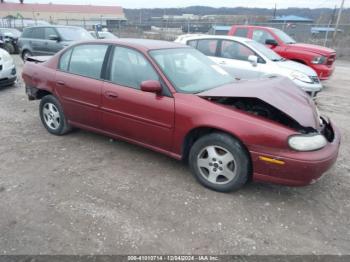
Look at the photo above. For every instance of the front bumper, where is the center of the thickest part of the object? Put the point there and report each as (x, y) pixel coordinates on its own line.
(324, 72)
(8, 76)
(299, 168)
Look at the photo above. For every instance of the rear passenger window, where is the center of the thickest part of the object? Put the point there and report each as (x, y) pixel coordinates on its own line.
(242, 32)
(192, 43)
(207, 46)
(49, 31)
(64, 60)
(87, 60)
(27, 33)
(38, 33)
(130, 68)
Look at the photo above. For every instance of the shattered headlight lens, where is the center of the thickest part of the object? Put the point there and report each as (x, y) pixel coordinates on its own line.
(307, 142)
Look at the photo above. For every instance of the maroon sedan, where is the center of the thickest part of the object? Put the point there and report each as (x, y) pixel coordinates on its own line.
(174, 100)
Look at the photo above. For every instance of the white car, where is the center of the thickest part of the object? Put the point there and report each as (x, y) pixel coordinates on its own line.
(8, 74)
(246, 59)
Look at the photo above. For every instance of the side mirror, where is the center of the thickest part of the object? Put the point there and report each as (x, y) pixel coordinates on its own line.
(271, 42)
(253, 59)
(151, 86)
(54, 38)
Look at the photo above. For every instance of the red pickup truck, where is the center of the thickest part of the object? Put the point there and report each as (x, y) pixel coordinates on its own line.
(320, 58)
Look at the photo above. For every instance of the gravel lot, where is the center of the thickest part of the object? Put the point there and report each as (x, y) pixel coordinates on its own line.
(86, 194)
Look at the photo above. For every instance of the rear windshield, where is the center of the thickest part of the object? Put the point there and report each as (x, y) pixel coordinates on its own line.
(74, 33)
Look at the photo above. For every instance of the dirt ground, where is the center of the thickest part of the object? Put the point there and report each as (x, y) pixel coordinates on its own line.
(86, 194)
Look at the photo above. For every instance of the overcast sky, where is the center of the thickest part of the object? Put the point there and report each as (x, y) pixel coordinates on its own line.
(214, 3)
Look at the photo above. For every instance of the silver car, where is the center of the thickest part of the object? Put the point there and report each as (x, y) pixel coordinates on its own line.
(247, 59)
(8, 74)
(48, 40)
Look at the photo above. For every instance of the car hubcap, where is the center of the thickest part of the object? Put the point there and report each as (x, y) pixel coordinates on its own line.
(216, 164)
(51, 116)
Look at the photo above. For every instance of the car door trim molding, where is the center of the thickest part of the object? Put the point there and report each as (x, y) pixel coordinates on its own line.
(137, 118)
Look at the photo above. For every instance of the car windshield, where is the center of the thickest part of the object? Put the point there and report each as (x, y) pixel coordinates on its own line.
(189, 70)
(284, 37)
(267, 52)
(74, 33)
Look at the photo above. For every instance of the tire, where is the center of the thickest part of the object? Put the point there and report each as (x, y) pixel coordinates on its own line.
(52, 116)
(9, 48)
(26, 54)
(219, 162)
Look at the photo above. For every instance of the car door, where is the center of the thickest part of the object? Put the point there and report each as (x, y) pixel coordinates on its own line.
(233, 57)
(147, 118)
(79, 84)
(51, 47)
(37, 41)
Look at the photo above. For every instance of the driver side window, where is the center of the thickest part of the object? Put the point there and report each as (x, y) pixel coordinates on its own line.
(261, 36)
(235, 50)
(130, 68)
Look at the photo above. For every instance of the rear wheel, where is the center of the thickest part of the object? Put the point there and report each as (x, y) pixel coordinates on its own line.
(25, 55)
(219, 162)
(52, 116)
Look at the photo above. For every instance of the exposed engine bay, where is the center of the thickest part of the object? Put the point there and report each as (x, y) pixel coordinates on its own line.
(258, 107)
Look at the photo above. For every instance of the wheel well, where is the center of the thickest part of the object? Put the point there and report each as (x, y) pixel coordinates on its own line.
(197, 133)
(41, 93)
(299, 61)
(24, 50)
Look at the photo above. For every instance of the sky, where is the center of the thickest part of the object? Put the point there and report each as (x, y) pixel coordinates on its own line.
(213, 3)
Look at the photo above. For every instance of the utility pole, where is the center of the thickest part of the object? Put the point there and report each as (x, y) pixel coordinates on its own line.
(275, 10)
(338, 21)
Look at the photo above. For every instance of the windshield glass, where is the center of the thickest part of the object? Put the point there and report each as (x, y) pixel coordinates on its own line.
(74, 33)
(267, 52)
(189, 70)
(284, 37)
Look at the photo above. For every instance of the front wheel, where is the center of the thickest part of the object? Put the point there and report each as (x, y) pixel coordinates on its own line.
(220, 162)
(52, 116)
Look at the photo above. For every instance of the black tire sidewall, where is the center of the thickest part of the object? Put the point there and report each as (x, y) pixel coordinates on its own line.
(53, 100)
(25, 52)
(235, 148)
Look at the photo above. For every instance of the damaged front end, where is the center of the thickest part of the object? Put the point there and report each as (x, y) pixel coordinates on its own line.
(276, 99)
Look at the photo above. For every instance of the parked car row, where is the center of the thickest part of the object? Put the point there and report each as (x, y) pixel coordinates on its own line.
(247, 59)
(173, 99)
(319, 58)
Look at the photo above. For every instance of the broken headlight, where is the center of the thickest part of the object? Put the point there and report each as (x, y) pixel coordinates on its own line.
(307, 142)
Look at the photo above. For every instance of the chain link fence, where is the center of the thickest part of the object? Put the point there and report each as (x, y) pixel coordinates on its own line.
(320, 34)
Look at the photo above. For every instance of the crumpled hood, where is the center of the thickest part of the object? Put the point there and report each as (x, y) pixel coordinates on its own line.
(279, 92)
(312, 48)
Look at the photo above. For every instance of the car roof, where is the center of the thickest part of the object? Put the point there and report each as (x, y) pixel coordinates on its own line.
(254, 26)
(55, 26)
(144, 44)
(224, 37)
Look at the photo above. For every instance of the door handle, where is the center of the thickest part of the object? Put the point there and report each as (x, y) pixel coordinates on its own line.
(222, 62)
(60, 83)
(111, 95)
